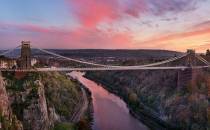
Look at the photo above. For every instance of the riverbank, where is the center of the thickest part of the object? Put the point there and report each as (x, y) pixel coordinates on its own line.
(83, 114)
(143, 114)
(86, 115)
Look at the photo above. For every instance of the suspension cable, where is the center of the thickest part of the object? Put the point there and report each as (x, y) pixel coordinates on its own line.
(111, 66)
(8, 51)
(202, 59)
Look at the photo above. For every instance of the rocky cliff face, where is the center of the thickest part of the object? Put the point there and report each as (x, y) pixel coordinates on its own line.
(29, 102)
(35, 116)
(8, 121)
(4, 102)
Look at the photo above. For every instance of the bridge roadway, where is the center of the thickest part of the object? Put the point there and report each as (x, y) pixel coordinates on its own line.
(101, 69)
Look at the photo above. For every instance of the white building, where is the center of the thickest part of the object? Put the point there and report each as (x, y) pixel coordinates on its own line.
(33, 61)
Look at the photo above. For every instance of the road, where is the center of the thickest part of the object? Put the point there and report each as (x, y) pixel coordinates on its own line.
(103, 69)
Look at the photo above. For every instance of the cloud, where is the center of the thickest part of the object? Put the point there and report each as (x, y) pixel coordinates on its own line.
(94, 38)
(204, 46)
(202, 25)
(92, 12)
(135, 7)
(61, 38)
(175, 36)
(32, 28)
(169, 19)
(160, 7)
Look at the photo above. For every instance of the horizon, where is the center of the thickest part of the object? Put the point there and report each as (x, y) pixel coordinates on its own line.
(74, 24)
(111, 49)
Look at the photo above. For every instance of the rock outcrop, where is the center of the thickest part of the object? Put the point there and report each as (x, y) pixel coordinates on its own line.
(35, 116)
(36, 101)
(4, 102)
(8, 121)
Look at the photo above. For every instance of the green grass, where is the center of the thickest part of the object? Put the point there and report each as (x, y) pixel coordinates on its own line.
(61, 93)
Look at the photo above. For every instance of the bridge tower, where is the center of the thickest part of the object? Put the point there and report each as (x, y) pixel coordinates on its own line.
(25, 59)
(191, 58)
(185, 76)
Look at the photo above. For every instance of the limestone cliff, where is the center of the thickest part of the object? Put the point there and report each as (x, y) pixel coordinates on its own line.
(35, 116)
(4, 102)
(8, 121)
(34, 101)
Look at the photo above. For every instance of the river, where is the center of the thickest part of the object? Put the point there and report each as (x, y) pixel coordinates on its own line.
(110, 112)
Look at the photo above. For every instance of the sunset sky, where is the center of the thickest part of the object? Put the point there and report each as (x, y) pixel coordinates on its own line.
(107, 24)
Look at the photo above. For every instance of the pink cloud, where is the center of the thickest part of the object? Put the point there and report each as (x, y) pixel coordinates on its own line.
(123, 40)
(32, 28)
(61, 38)
(94, 38)
(92, 12)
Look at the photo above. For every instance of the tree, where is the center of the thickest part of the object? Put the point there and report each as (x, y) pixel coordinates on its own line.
(207, 52)
(133, 98)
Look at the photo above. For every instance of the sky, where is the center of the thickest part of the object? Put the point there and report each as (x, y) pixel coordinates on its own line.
(106, 24)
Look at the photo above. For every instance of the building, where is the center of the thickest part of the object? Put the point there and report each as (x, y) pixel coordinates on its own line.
(7, 63)
(33, 61)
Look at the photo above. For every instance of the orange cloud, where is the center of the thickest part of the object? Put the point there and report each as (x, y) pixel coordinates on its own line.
(175, 36)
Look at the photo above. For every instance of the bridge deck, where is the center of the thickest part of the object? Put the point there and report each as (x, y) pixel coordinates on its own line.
(102, 69)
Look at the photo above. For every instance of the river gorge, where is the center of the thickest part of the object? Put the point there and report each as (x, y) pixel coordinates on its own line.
(110, 112)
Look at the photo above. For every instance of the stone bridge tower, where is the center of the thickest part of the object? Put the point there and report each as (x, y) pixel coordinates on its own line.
(25, 59)
(191, 58)
(185, 76)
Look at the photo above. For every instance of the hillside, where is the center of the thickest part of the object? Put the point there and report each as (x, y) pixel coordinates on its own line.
(155, 94)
